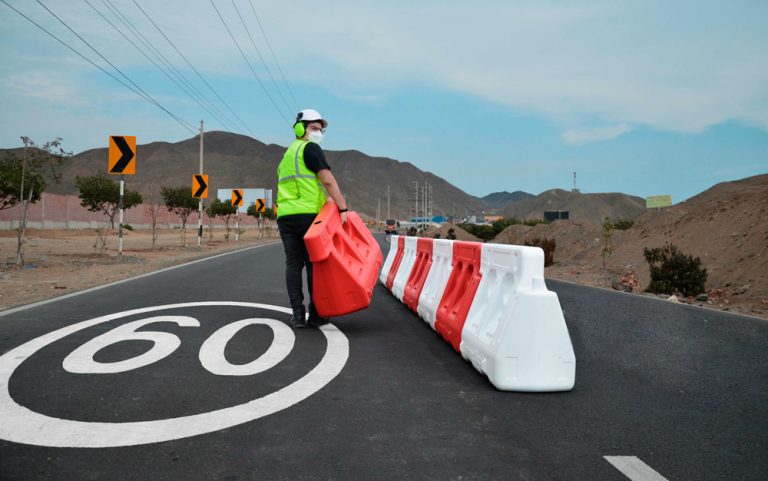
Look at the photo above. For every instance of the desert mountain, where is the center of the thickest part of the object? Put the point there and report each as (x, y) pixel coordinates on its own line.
(585, 207)
(726, 226)
(237, 161)
(499, 200)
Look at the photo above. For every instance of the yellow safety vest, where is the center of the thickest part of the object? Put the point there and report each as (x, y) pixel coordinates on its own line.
(299, 191)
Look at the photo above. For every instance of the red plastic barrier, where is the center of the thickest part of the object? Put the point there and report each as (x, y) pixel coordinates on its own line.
(459, 292)
(345, 262)
(418, 274)
(396, 262)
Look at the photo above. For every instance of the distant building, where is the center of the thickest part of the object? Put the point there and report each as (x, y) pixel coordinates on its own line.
(550, 215)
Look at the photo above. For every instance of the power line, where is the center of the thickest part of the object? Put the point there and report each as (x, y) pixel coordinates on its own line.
(154, 51)
(96, 65)
(253, 42)
(192, 67)
(159, 55)
(249, 63)
(147, 96)
(264, 33)
(163, 70)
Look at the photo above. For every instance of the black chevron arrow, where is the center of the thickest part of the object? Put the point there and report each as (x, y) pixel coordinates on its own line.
(238, 198)
(259, 205)
(125, 159)
(203, 185)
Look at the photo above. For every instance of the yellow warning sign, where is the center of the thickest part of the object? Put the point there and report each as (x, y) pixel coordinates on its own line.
(200, 186)
(237, 197)
(122, 154)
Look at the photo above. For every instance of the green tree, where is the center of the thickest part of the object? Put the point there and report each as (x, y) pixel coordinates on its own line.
(10, 182)
(99, 193)
(260, 216)
(39, 167)
(222, 209)
(179, 200)
(267, 214)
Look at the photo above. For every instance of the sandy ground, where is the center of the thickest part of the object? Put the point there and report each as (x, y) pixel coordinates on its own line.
(58, 262)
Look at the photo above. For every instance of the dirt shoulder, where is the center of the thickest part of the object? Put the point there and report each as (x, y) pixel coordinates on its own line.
(59, 262)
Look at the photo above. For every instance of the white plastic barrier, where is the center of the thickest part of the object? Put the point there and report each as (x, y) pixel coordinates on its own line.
(389, 260)
(515, 332)
(406, 266)
(434, 286)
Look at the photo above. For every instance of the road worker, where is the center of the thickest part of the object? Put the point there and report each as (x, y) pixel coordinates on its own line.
(304, 184)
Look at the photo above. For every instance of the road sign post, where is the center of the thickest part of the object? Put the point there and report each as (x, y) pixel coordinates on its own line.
(237, 201)
(122, 160)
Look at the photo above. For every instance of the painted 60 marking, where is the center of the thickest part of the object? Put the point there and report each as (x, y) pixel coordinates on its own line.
(81, 361)
(21, 425)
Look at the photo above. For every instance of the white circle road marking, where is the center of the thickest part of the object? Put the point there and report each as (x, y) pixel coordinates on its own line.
(22, 425)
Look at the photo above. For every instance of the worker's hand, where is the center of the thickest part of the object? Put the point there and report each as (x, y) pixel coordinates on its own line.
(343, 217)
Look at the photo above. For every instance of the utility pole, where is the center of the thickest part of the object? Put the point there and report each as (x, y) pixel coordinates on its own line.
(200, 205)
(378, 210)
(388, 216)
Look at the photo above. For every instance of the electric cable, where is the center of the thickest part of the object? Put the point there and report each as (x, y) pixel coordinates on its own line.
(177, 119)
(253, 42)
(192, 67)
(162, 69)
(269, 44)
(158, 54)
(249, 64)
(149, 97)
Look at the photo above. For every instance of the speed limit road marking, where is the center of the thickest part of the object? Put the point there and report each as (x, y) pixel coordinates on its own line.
(22, 425)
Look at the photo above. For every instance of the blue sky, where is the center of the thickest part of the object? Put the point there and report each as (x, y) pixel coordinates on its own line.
(640, 97)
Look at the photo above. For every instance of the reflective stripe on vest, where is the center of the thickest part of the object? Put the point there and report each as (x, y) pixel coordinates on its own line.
(299, 190)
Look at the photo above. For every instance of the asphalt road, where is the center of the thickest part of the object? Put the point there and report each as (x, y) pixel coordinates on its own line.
(218, 390)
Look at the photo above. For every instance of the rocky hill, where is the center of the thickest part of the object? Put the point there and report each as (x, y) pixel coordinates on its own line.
(237, 161)
(584, 207)
(499, 200)
(726, 226)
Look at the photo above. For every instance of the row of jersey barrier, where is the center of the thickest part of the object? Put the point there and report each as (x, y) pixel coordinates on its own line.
(490, 302)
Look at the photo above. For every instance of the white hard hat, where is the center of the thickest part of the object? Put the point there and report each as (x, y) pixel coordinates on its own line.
(311, 115)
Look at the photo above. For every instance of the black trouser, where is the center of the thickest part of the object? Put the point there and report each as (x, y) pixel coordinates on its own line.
(292, 229)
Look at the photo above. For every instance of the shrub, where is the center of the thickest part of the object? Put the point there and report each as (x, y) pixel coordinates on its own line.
(622, 224)
(548, 245)
(672, 271)
(127, 227)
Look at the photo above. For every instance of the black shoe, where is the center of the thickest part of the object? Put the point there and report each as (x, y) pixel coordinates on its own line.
(298, 322)
(299, 318)
(317, 321)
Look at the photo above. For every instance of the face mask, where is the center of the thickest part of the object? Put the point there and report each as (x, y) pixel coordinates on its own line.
(316, 136)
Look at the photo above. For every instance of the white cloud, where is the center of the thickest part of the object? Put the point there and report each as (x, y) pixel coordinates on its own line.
(640, 63)
(595, 134)
(650, 63)
(41, 85)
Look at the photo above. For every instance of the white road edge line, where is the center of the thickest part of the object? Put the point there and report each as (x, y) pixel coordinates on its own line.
(102, 286)
(635, 469)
